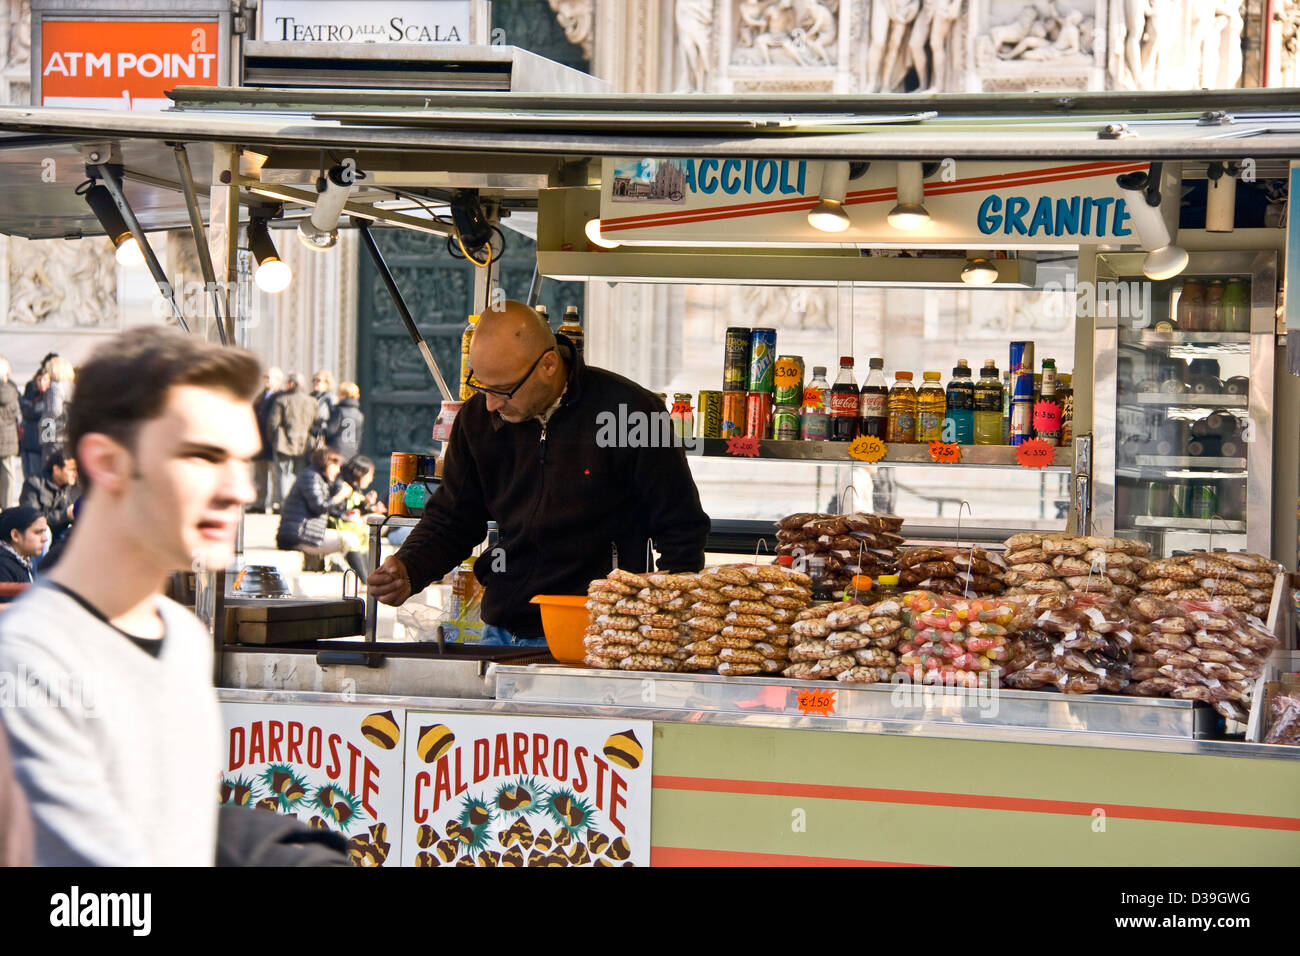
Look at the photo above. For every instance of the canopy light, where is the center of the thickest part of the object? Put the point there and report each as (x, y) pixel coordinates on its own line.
(1164, 260)
(273, 274)
(597, 238)
(1220, 197)
(110, 218)
(910, 213)
(333, 189)
(979, 271)
(829, 215)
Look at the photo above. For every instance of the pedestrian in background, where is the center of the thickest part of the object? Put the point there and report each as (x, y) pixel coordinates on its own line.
(52, 408)
(120, 768)
(22, 539)
(54, 492)
(293, 413)
(11, 416)
(322, 389)
(30, 444)
(343, 433)
(265, 482)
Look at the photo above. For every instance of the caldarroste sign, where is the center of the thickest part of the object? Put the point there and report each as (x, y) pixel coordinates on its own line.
(740, 202)
(377, 21)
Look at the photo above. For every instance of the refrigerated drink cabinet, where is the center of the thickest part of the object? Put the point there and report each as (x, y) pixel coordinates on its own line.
(1183, 425)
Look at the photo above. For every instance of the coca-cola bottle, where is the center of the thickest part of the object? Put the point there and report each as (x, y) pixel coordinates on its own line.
(844, 403)
(873, 401)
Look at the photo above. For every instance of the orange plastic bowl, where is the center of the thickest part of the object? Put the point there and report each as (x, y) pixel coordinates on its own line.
(564, 620)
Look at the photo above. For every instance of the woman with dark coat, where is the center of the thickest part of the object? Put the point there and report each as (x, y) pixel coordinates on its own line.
(317, 495)
(22, 538)
(343, 433)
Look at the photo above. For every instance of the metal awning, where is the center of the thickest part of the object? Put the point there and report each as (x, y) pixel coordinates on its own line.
(430, 138)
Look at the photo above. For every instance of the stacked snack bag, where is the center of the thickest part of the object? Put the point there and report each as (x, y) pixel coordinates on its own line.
(965, 571)
(1244, 581)
(850, 544)
(1199, 650)
(1078, 642)
(850, 642)
(740, 622)
(636, 621)
(950, 640)
(1058, 563)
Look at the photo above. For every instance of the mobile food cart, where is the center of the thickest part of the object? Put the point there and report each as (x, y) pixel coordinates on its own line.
(426, 758)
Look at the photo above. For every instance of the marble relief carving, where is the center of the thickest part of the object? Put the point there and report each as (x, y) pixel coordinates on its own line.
(789, 32)
(577, 18)
(67, 284)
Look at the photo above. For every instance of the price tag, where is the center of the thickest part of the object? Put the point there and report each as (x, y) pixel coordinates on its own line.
(1035, 453)
(743, 447)
(819, 702)
(867, 448)
(812, 398)
(1047, 417)
(945, 453)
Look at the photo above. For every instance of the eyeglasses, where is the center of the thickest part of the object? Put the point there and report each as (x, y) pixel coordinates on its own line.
(478, 386)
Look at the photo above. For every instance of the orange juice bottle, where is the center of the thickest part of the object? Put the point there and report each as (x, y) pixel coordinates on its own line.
(902, 410)
(931, 405)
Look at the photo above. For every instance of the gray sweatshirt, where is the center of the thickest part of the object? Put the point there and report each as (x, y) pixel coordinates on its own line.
(118, 749)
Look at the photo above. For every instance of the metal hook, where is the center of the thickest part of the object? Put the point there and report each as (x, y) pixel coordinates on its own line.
(649, 553)
(965, 591)
(964, 504)
(613, 553)
(762, 543)
(356, 583)
(846, 488)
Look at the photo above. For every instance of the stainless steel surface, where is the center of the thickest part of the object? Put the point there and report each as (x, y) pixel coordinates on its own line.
(1215, 525)
(1082, 517)
(1173, 745)
(886, 703)
(1113, 333)
(972, 456)
(260, 581)
(411, 676)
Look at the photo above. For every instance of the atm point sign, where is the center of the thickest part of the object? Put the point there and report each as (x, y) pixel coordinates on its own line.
(124, 64)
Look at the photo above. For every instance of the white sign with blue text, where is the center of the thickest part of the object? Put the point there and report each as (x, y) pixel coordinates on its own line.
(745, 202)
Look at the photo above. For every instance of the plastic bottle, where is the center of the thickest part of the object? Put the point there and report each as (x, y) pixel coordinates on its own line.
(931, 404)
(1213, 314)
(1006, 408)
(988, 406)
(1236, 306)
(873, 402)
(902, 410)
(1191, 306)
(959, 419)
(844, 403)
(466, 393)
(572, 328)
(814, 415)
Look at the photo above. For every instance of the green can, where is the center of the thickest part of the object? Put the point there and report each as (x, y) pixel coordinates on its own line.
(1205, 500)
(710, 414)
(788, 379)
(785, 423)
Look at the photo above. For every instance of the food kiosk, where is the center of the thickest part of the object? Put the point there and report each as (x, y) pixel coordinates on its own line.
(453, 758)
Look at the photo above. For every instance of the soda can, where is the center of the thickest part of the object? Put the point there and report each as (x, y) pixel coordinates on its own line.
(402, 468)
(1022, 420)
(788, 379)
(733, 415)
(735, 361)
(710, 414)
(762, 361)
(1205, 499)
(758, 415)
(1022, 371)
(785, 423)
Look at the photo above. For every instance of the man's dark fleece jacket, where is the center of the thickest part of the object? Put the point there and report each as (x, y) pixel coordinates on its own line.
(559, 499)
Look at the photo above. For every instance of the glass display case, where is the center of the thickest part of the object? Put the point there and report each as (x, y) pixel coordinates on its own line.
(1183, 401)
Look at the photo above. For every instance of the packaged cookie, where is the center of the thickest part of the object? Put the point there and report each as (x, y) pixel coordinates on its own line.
(802, 670)
(730, 669)
(865, 675)
(626, 578)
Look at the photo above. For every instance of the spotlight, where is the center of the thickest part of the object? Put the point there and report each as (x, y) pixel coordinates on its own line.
(910, 213)
(1220, 197)
(829, 215)
(272, 275)
(1164, 260)
(594, 234)
(110, 218)
(979, 271)
(321, 231)
(472, 226)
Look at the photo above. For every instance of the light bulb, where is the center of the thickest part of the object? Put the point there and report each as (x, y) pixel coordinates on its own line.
(1165, 262)
(908, 216)
(129, 253)
(829, 216)
(979, 271)
(594, 234)
(273, 276)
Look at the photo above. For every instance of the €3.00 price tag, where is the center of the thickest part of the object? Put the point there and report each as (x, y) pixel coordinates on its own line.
(1035, 453)
(867, 448)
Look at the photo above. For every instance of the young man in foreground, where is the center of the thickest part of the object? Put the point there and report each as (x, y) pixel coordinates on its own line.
(116, 738)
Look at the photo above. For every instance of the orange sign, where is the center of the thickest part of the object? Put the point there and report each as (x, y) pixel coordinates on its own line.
(867, 448)
(1035, 453)
(125, 64)
(743, 447)
(945, 453)
(819, 702)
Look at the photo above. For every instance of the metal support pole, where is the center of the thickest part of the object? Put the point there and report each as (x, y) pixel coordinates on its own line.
(535, 287)
(390, 283)
(155, 268)
(200, 240)
(485, 278)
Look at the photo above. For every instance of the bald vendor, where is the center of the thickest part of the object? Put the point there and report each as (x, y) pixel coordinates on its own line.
(533, 452)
